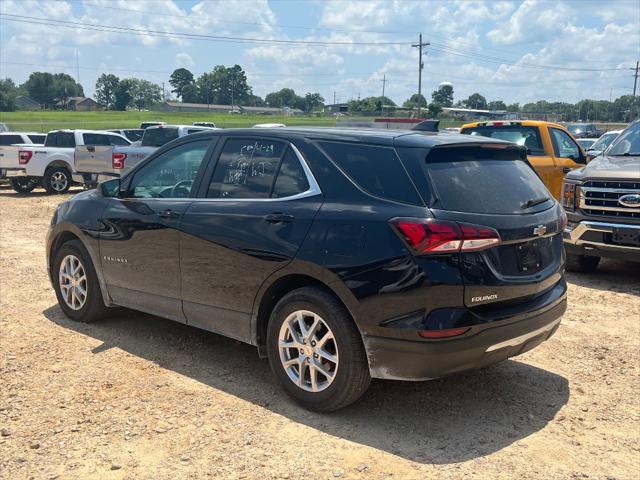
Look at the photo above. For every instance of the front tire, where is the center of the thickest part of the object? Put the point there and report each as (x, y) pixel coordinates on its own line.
(76, 283)
(582, 263)
(23, 184)
(316, 351)
(57, 180)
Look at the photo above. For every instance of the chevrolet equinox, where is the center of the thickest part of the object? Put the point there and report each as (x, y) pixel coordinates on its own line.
(341, 254)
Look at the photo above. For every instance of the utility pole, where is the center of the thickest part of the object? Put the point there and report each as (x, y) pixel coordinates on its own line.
(163, 97)
(334, 97)
(419, 46)
(635, 84)
(77, 68)
(384, 83)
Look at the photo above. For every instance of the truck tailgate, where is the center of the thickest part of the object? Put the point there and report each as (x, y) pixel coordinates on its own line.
(9, 157)
(100, 159)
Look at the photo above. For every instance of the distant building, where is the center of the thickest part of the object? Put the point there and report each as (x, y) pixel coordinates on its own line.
(262, 110)
(337, 108)
(198, 107)
(476, 113)
(26, 103)
(78, 104)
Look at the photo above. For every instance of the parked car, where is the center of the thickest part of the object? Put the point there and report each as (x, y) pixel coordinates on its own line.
(269, 125)
(341, 254)
(112, 161)
(550, 148)
(131, 134)
(9, 156)
(585, 143)
(204, 124)
(602, 201)
(584, 130)
(145, 125)
(602, 143)
(53, 165)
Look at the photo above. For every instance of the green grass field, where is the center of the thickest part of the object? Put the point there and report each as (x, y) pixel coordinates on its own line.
(46, 121)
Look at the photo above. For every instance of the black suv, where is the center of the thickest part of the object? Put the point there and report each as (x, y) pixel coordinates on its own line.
(341, 254)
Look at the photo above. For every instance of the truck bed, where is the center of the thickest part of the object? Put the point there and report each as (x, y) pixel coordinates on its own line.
(99, 159)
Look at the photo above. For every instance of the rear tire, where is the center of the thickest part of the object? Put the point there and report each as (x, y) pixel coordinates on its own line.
(57, 180)
(342, 356)
(582, 263)
(23, 184)
(71, 263)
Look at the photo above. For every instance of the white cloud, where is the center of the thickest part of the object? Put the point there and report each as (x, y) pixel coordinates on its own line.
(184, 60)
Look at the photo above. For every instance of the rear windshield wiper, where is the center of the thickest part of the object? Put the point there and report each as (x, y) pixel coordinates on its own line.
(533, 202)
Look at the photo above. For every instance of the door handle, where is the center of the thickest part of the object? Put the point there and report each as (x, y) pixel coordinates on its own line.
(169, 214)
(279, 217)
(566, 170)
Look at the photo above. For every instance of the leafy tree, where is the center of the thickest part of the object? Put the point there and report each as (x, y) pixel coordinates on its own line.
(313, 100)
(255, 101)
(180, 79)
(106, 86)
(123, 95)
(284, 98)
(497, 105)
(371, 104)
(415, 100)
(64, 87)
(39, 86)
(443, 96)
(224, 85)
(146, 94)
(191, 93)
(8, 94)
(476, 101)
(513, 107)
(435, 109)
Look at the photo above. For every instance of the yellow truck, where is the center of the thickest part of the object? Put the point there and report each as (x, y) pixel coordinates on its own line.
(551, 149)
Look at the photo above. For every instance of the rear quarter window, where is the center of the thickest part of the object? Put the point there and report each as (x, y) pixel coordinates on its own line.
(10, 139)
(375, 169)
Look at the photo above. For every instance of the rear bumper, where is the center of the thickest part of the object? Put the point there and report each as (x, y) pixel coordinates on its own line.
(594, 238)
(395, 359)
(15, 172)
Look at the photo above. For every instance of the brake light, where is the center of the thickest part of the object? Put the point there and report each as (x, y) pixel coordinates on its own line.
(442, 236)
(24, 156)
(445, 333)
(117, 160)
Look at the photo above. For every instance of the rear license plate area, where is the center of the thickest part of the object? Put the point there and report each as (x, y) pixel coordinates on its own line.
(626, 236)
(529, 257)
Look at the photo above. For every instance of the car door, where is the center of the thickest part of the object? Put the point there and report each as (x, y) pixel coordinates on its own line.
(139, 244)
(255, 213)
(568, 155)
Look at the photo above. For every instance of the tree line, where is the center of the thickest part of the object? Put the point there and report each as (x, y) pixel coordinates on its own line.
(229, 86)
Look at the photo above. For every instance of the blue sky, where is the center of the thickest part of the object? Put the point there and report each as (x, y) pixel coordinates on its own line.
(517, 51)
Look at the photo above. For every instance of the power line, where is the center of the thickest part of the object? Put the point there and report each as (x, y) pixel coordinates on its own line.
(190, 36)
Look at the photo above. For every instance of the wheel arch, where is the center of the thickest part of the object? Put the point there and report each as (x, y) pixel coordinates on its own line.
(271, 292)
(59, 162)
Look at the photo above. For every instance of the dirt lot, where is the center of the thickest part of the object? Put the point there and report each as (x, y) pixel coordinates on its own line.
(138, 397)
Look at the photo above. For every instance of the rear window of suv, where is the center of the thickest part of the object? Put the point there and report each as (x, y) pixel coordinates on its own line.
(157, 137)
(528, 137)
(375, 169)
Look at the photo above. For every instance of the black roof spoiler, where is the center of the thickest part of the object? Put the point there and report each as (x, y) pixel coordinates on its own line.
(427, 126)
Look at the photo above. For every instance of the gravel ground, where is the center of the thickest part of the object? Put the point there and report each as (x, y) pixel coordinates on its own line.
(139, 397)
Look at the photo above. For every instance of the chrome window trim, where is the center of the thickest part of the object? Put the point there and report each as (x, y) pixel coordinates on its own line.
(313, 190)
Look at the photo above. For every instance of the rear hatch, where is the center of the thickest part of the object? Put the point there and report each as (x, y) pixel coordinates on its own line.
(493, 186)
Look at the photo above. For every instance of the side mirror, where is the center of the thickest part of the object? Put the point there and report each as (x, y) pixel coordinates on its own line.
(110, 188)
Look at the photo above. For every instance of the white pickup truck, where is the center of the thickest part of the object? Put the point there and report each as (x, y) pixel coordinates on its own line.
(114, 161)
(9, 141)
(52, 165)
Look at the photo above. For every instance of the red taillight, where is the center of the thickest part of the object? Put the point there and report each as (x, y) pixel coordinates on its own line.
(446, 333)
(117, 160)
(441, 236)
(24, 156)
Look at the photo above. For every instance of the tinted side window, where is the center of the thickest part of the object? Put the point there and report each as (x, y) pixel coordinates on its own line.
(95, 139)
(134, 135)
(291, 179)
(563, 145)
(52, 139)
(246, 169)
(37, 138)
(66, 140)
(10, 139)
(115, 140)
(156, 137)
(171, 174)
(375, 169)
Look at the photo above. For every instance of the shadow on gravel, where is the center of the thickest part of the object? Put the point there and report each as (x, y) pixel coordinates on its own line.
(442, 421)
(612, 275)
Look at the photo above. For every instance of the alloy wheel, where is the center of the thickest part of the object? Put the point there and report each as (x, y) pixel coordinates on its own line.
(308, 351)
(72, 280)
(59, 181)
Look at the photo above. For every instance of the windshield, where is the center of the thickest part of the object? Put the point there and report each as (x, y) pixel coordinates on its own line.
(573, 128)
(156, 137)
(525, 136)
(604, 141)
(628, 143)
